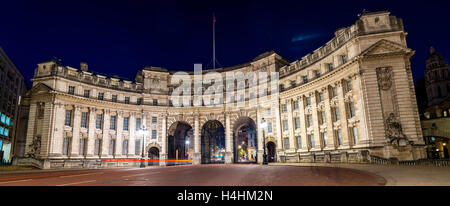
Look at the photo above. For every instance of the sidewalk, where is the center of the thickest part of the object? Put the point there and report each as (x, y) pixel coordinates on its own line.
(395, 175)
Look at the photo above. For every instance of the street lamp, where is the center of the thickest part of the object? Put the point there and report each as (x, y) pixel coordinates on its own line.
(143, 131)
(263, 126)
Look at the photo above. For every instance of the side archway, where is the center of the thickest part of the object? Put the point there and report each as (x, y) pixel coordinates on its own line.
(245, 141)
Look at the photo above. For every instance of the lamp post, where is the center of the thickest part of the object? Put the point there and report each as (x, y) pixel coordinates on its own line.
(143, 130)
(263, 126)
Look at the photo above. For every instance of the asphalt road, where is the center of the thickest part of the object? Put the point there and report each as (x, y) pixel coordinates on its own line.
(198, 175)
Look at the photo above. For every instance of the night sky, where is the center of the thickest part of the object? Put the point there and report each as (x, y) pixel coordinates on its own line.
(121, 37)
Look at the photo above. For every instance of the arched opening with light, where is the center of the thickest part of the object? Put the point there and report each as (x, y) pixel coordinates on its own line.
(245, 141)
(179, 144)
(213, 142)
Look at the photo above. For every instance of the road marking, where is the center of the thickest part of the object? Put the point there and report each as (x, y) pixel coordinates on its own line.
(80, 175)
(76, 183)
(15, 181)
(141, 174)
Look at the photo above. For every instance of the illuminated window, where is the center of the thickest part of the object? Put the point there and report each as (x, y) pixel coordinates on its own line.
(7, 121)
(2, 119)
(325, 139)
(1, 130)
(299, 142)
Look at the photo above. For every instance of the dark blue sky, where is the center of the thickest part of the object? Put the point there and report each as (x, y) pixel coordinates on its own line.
(120, 37)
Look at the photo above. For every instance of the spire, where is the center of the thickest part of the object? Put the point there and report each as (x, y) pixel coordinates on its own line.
(432, 50)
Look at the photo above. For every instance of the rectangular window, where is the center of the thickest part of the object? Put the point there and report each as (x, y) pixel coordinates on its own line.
(154, 134)
(343, 59)
(286, 143)
(82, 146)
(127, 100)
(351, 109)
(87, 93)
(323, 119)
(66, 143)
(268, 112)
(295, 104)
(139, 101)
(355, 135)
(339, 135)
(71, 90)
(97, 148)
(125, 123)
(317, 73)
(349, 85)
(325, 139)
(310, 121)
(299, 142)
(281, 87)
(293, 84)
(138, 124)
(155, 102)
(125, 147)
(305, 79)
(98, 121)
(68, 120)
(112, 123)
(330, 67)
(297, 123)
(311, 141)
(283, 108)
(269, 127)
(336, 114)
(308, 101)
(137, 147)
(84, 118)
(114, 98)
(112, 147)
(101, 96)
(285, 125)
(154, 120)
(321, 97)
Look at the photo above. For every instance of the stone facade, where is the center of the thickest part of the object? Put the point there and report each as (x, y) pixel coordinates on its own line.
(352, 97)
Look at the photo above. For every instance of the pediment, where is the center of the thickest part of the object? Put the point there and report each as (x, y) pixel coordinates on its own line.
(40, 88)
(383, 47)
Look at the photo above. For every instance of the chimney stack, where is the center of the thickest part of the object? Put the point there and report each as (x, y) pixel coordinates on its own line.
(84, 66)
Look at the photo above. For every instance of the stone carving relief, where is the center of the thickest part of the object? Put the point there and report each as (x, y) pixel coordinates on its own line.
(384, 77)
(394, 131)
(35, 147)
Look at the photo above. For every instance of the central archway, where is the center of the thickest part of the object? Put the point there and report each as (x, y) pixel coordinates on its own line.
(179, 144)
(213, 142)
(245, 141)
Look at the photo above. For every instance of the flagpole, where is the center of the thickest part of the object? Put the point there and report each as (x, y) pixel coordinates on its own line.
(214, 41)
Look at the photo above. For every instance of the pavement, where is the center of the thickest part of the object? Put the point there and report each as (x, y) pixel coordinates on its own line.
(395, 175)
(275, 174)
(196, 175)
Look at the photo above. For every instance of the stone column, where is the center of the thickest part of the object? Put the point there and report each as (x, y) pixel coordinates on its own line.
(91, 132)
(316, 129)
(56, 142)
(301, 105)
(75, 143)
(360, 111)
(276, 108)
(105, 138)
(31, 124)
(329, 120)
(119, 130)
(290, 119)
(228, 139)
(132, 133)
(197, 140)
(163, 154)
(260, 137)
(343, 114)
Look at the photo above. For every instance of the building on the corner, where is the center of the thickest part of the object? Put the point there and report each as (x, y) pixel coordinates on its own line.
(347, 101)
(436, 119)
(13, 117)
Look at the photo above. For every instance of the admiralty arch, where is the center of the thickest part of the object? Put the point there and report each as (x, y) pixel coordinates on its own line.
(347, 101)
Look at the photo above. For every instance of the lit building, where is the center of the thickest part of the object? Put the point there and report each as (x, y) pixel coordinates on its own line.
(349, 99)
(12, 91)
(436, 119)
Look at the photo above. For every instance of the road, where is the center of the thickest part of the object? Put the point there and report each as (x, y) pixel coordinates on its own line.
(196, 175)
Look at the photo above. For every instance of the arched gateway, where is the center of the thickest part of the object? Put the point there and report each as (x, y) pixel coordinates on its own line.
(213, 142)
(245, 141)
(179, 145)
